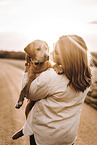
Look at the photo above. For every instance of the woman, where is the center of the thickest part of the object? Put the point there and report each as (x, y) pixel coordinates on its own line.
(55, 117)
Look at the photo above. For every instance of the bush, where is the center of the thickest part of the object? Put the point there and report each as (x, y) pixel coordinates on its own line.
(12, 55)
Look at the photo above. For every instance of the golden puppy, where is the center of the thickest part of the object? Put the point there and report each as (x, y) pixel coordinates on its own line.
(37, 61)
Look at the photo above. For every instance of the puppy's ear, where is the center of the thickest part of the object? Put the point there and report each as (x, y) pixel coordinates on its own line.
(29, 50)
(27, 58)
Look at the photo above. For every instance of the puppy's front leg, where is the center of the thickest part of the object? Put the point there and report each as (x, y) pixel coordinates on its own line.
(21, 97)
(24, 91)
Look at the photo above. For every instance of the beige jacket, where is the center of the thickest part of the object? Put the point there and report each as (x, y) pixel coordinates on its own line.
(55, 117)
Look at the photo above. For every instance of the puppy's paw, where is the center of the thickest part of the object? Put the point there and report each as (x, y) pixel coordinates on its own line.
(58, 69)
(18, 104)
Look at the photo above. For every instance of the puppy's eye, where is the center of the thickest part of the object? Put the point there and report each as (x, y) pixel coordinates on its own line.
(38, 49)
(30, 58)
(46, 48)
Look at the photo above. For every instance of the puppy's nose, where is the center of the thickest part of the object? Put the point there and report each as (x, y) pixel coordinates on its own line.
(46, 57)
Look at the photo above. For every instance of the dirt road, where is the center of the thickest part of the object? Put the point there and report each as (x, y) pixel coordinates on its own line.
(12, 119)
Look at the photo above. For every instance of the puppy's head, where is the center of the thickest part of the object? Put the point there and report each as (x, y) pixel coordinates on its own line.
(38, 50)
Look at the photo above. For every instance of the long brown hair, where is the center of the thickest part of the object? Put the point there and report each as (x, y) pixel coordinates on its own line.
(73, 54)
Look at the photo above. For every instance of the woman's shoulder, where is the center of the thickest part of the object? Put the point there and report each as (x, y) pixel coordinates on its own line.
(51, 74)
(48, 73)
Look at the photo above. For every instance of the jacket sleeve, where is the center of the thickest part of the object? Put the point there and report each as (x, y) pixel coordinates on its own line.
(38, 88)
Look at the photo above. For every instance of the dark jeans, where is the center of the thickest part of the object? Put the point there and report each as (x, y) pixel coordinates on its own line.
(32, 140)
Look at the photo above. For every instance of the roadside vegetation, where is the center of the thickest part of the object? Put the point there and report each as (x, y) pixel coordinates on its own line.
(21, 56)
(12, 55)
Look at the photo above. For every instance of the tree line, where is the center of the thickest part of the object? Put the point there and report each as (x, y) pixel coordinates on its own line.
(12, 55)
(21, 55)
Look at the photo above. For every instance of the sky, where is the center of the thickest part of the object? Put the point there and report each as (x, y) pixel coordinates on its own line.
(22, 21)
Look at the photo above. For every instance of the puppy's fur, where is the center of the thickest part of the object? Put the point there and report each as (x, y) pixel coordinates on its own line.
(37, 56)
(37, 61)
